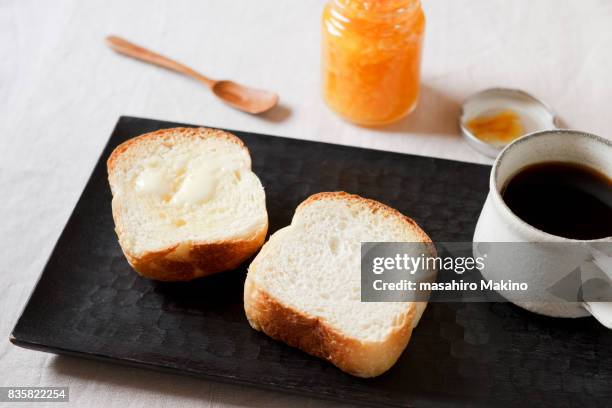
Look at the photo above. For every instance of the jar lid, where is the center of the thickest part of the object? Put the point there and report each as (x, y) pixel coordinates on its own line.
(531, 115)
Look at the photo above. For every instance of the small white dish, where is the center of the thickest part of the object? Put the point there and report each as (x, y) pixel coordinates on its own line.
(535, 115)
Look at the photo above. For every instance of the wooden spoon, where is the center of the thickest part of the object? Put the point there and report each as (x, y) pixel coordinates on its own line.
(238, 96)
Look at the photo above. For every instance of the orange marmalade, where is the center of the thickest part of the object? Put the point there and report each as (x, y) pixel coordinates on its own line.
(499, 128)
(371, 57)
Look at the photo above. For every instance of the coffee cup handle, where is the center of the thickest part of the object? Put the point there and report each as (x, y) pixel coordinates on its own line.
(602, 311)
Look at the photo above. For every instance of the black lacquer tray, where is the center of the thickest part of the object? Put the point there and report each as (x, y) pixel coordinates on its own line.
(89, 302)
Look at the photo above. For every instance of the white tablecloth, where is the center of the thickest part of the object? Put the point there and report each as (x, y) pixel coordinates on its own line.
(62, 90)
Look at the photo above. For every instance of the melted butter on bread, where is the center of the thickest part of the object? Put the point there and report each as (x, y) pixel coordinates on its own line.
(190, 182)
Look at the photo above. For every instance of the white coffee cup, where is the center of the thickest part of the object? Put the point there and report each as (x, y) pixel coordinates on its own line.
(542, 265)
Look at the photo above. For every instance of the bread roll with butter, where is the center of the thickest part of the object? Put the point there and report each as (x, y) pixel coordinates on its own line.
(186, 203)
(303, 288)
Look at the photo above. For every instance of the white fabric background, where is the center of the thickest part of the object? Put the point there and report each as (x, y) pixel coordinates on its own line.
(62, 90)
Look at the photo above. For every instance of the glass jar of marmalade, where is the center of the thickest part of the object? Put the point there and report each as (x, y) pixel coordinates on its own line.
(371, 57)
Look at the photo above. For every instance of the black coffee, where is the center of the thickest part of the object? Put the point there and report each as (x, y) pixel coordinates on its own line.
(563, 199)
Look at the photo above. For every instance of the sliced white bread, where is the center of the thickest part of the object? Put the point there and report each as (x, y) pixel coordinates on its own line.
(303, 288)
(186, 203)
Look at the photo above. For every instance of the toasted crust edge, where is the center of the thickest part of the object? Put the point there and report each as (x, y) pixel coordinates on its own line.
(313, 335)
(197, 258)
(374, 205)
(170, 134)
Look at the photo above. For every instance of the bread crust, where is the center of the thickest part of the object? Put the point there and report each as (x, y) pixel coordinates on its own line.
(198, 259)
(374, 205)
(170, 135)
(317, 337)
(192, 259)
